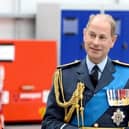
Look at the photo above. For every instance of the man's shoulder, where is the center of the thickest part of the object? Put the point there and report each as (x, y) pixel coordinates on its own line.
(69, 65)
(120, 63)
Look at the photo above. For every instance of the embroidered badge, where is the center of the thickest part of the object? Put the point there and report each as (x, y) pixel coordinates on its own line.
(118, 117)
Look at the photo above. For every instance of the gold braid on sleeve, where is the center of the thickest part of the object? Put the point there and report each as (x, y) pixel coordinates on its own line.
(74, 103)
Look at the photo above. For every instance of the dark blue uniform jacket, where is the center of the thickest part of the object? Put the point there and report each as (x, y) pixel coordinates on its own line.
(71, 74)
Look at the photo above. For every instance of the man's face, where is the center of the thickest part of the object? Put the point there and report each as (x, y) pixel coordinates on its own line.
(98, 39)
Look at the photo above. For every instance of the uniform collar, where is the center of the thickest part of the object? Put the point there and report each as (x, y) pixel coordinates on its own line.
(101, 65)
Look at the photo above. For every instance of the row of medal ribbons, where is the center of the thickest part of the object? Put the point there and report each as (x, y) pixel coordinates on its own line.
(118, 97)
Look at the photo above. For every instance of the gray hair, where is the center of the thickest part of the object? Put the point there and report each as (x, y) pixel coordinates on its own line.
(108, 17)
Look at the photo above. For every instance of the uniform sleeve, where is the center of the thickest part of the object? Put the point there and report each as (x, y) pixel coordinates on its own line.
(54, 116)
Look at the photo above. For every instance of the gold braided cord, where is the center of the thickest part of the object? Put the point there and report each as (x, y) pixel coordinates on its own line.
(82, 110)
(74, 103)
(61, 87)
(57, 94)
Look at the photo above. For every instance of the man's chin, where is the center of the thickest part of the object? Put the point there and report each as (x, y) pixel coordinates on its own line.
(95, 59)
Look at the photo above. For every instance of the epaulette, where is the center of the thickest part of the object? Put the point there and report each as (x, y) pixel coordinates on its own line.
(69, 64)
(120, 63)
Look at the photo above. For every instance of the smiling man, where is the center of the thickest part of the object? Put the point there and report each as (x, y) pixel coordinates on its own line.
(99, 37)
(92, 93)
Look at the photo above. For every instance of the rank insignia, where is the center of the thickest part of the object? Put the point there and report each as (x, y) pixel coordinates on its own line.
(118, 117)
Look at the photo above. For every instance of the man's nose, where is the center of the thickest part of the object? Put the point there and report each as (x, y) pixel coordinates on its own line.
(96, 40)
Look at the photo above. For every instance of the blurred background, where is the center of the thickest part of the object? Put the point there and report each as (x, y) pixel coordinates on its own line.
(35, 37)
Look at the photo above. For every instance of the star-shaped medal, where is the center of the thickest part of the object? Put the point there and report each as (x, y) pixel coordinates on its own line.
(118, 117)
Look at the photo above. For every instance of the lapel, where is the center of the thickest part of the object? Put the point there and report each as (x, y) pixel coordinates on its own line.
(83, 75)
(106, 78)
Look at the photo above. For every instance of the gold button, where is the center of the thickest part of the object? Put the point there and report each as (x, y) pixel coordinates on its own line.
(96, 125)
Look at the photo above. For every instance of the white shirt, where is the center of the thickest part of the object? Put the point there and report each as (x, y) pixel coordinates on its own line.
(101, 65)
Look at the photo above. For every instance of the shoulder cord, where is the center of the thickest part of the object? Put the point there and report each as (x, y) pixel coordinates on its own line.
(74, 100)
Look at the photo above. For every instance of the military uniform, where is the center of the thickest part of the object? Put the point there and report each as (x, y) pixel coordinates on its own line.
(105, 106)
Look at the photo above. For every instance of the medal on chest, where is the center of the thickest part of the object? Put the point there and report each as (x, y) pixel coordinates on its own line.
(118, 97)
(118, 117)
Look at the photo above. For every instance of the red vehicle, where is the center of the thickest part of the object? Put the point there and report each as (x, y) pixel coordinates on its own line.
(29, 66)
(2, 77)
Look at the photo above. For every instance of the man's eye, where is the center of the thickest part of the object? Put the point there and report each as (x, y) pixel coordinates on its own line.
(92, 35)
(102, 37)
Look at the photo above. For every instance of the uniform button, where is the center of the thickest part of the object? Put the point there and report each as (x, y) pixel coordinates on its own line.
(96, 125)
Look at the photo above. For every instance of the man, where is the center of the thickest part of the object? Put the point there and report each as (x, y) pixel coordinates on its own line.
(87, 97)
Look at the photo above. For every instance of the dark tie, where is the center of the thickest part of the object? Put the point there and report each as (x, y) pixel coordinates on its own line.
(94, 75)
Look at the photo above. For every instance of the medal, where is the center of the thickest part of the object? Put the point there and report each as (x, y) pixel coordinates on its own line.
(118, 117)
(118, 97)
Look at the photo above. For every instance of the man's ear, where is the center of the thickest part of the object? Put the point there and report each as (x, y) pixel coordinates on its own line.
(84, 34)
(84, 31)
(114, 38)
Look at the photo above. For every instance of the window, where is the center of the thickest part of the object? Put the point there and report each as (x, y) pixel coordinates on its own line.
(7, 52)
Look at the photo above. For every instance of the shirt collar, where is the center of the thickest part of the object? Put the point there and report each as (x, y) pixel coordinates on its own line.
(101, 65)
